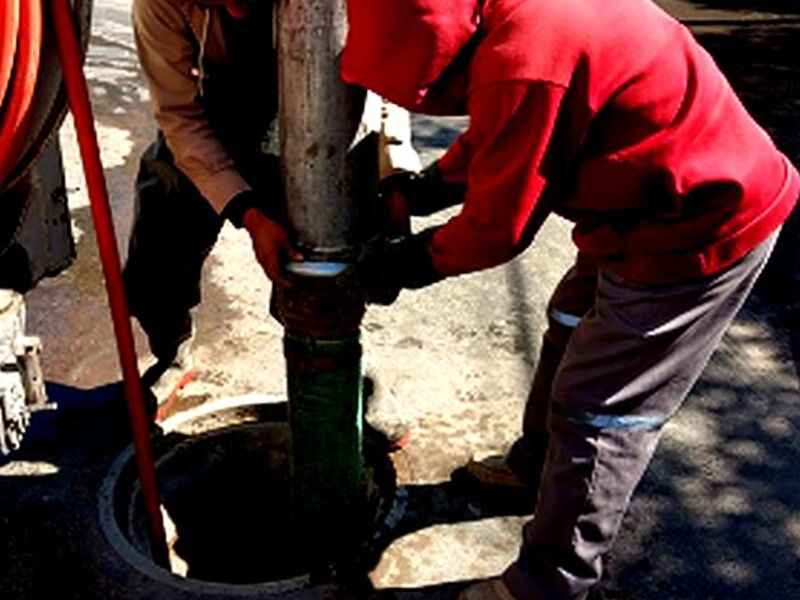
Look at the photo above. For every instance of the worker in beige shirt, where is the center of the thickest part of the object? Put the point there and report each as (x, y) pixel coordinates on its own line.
(212, 72)
(211, 66)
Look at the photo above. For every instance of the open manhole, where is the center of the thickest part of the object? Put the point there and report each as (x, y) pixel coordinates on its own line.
(223, 470)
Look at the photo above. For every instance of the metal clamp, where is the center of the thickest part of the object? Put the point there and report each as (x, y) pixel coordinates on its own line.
(321, 269)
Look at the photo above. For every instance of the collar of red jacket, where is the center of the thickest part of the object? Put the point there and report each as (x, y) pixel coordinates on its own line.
(399, 48)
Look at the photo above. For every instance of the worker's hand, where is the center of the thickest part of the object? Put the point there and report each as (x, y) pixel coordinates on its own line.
(375, 273)
(271, 244)
(406, 193)
(388, 265)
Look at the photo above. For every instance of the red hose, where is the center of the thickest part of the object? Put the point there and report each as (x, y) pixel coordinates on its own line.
(9, 23)
(9, 26)
(15, 120)
(80, 105)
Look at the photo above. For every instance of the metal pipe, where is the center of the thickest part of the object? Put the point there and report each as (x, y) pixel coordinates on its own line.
(80, 106)
(319, 120)
(322, 310)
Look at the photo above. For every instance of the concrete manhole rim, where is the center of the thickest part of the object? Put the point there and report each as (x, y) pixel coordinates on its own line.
(145, 565)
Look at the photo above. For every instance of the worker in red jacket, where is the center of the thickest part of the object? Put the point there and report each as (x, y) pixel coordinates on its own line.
(612, 116)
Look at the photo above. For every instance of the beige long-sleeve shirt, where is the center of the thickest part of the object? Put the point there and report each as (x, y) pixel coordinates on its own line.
(175, 39)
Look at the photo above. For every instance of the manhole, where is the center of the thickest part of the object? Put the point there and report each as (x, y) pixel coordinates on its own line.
(223, 473)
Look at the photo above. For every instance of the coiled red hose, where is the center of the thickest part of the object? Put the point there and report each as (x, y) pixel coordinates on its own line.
(9, 24)
(18, 104)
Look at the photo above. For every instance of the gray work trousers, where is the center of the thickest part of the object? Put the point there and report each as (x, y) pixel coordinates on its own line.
(617, 361)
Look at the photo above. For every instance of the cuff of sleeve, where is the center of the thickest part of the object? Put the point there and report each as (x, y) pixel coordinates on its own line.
(238, 205)
(425, 192)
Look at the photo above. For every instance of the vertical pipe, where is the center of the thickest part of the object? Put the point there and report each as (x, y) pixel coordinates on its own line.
(319, 119)
(321, 311)
(80, 106)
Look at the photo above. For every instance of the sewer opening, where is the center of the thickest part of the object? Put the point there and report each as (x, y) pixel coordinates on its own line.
(225, 495)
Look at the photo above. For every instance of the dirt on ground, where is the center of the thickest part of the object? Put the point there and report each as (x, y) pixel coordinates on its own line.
(717, 515)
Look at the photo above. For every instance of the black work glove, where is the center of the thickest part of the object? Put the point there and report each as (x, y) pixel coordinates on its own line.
(425, 192)
(388, 265)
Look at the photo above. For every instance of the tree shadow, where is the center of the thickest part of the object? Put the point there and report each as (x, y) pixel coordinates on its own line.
(763, 66)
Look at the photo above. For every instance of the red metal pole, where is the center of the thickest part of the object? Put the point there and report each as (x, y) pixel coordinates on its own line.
(78, 95)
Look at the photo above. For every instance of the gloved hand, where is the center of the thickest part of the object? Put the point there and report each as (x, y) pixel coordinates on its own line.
(388, 265)
(423, 193)
(393, 218)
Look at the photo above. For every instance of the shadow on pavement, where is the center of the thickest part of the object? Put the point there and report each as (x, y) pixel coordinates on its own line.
(48, 493)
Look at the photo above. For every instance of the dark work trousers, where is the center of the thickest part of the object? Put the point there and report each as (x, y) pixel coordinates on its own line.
(618, 361)
(174, 231)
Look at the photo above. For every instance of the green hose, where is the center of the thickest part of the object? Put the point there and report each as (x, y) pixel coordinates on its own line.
(326, 460)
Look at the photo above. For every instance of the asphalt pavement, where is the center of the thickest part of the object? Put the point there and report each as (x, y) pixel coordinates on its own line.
(716, 517)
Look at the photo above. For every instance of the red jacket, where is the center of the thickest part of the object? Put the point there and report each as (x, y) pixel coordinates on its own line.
(607, 113)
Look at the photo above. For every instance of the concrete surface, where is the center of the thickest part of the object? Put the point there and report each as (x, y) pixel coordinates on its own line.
(717, 516)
